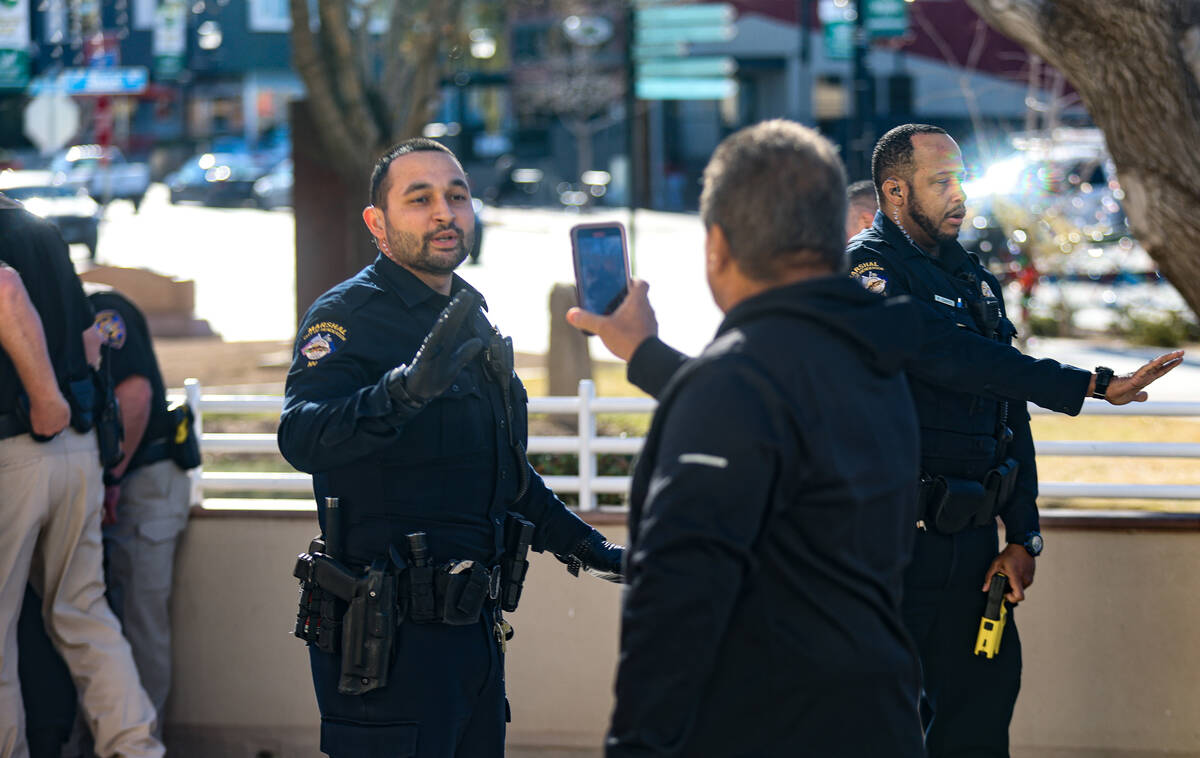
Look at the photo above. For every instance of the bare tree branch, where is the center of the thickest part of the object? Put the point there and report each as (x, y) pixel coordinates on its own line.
(360, 122)
(323, 102)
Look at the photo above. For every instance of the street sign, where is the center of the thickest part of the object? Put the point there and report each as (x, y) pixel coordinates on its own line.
(705, 14)
(663, 35)
(677, 24)
(684, 88)
(14, 44)
(687, 67)
(884, 18)
(121, 80)
(51, 120)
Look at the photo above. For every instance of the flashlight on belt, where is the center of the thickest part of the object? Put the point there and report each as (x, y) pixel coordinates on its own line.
(995, 616)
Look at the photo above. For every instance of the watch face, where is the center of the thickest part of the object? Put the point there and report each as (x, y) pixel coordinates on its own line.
(1033, 543)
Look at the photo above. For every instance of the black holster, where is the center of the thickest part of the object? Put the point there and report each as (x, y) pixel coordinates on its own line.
(368, 631)
(365, 631)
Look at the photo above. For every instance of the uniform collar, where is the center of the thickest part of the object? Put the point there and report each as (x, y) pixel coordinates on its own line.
(952, 255)
(411, 290)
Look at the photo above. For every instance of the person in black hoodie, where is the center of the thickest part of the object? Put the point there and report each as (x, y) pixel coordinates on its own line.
(769, 532)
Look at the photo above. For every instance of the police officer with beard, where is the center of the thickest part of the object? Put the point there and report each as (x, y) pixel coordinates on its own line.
(977, 455)
(403, 404)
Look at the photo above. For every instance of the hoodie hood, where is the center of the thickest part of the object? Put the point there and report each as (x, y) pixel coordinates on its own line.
(887, 329)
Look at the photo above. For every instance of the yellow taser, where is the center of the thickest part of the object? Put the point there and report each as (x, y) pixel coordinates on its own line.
(995, 615)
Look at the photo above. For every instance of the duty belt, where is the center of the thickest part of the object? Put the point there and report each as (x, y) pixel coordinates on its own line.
(150, 452)
(950, 505)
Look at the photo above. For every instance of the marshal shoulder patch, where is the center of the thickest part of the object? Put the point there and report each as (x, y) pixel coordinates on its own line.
(986, 289)
(871, 275)
(112, 328)
(321, 340)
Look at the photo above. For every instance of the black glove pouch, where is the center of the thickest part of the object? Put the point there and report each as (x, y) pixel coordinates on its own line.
(460, 597)
(955, 504)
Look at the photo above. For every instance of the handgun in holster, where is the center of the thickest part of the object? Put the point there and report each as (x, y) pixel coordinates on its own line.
(369, 629)
(518, 534)
(995, 616)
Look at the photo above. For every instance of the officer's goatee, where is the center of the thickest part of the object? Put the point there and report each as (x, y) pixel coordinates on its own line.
(416, 254)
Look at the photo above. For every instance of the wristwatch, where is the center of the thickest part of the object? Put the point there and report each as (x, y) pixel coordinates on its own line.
(1104, 375)
(1033, 543)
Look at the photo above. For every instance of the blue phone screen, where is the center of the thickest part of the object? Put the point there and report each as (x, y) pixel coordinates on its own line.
(601, 269)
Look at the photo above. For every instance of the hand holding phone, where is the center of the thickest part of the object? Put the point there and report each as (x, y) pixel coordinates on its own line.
(601, 256)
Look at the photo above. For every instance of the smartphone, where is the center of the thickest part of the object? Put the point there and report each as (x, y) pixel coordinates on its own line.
(601, 256)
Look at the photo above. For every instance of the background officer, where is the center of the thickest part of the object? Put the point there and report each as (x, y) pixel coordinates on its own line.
(146, 495)
(50, 492)
(862, 206)
(977, 456)
(402, 402)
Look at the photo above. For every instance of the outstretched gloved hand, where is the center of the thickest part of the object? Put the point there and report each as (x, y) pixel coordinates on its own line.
(597, 556)
(439, 360)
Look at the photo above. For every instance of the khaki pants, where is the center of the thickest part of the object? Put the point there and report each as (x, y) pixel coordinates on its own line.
(50, 496)
(140, 562)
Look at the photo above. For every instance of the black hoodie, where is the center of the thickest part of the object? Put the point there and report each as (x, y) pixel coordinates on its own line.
(771, 519)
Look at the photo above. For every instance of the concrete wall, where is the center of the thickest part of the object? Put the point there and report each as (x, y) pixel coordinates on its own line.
(1108, 631)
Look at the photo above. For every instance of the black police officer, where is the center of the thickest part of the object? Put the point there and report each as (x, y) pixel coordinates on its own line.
(977, 456)
(402, 403)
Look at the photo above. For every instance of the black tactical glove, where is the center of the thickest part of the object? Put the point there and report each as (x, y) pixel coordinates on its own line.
(597, 556)
(438, 360)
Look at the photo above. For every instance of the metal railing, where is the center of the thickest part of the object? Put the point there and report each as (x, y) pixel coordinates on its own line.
(586, 444)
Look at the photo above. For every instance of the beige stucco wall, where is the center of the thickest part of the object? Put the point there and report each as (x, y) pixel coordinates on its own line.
(1109, 631)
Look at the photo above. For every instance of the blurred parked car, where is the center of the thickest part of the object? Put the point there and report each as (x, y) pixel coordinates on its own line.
(275, 189)
(71, 209)
(215, 179)
(103, 172)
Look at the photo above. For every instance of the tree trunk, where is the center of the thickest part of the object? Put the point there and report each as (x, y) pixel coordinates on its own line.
(332, 242)
(1136, 64)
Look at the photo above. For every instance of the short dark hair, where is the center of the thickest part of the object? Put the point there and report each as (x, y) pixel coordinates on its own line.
(379, 176)
(778, 191)
(862, 194)
(893, 153)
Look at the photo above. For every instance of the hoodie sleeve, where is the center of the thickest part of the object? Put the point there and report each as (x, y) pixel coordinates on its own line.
(652, 365)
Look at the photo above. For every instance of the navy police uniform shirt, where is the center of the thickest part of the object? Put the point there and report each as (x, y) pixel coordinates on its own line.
(130, 352)
(35, 249)
(450, 470)
(958, 429)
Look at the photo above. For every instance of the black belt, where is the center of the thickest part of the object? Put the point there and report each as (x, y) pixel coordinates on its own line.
(12, 425)
(150, 452)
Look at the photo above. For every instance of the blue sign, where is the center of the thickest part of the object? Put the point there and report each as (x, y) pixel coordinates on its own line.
(120, 80)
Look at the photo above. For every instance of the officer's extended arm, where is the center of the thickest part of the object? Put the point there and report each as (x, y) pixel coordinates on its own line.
(343, 420)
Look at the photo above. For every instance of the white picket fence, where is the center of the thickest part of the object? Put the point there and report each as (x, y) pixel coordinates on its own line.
(587, 445)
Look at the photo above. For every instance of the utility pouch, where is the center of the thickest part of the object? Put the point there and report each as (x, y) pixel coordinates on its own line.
(461, 591)
(182, 444)
(319, 619)
(421, 609)
(955, 504)
(81, 395)
(518, 534)
(1001, 481)
(368, 632)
